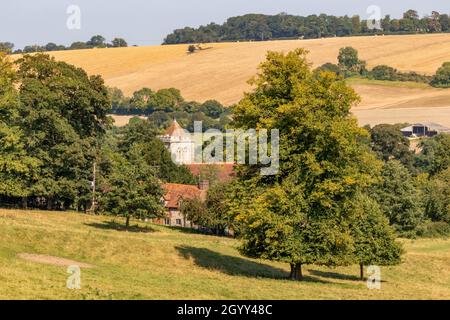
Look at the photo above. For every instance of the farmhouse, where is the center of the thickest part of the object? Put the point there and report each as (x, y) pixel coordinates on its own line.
(426, 129)
(173, 199)
(181, 145)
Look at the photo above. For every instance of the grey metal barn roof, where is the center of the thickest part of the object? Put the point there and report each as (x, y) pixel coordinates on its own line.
(430, 125)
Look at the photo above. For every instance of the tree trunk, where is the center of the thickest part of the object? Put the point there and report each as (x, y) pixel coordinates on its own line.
(49, 204)
(24, 203)
(127, 224)
(296, 272)
(361, 272)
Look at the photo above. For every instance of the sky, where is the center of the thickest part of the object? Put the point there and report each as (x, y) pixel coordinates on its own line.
(147, 22)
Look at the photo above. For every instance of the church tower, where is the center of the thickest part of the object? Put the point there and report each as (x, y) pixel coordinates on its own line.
(180, 143)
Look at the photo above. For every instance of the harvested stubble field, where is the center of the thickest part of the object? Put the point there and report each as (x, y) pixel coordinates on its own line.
(221, 72)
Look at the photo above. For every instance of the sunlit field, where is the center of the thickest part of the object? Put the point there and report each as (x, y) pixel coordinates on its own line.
(155, 262)
(221, 71)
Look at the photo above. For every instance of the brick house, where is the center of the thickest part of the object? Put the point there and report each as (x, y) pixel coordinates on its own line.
(173, 198)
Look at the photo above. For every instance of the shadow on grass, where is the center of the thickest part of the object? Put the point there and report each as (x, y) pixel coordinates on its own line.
(112, 225)
(338, 276)
(196, 231)
(187, 230)
(235, 266)
(334, 275)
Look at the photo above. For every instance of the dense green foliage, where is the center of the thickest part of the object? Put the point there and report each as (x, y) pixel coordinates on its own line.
(399, 197)
(54, 130)
(331, 67)
(298, 216)
(437, 197)
(383, 72)
(283, 26)
(131, 188)
(373, 237)
(435, 154)
(17, 168)
(442, 77)
(211, 213)
(389, 143)
(414, 191)
(62, 114)
(96, 41)
(164, 105)
(350, 63)
(351, 66)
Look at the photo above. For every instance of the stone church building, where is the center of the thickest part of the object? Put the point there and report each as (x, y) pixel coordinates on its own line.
(180, 144)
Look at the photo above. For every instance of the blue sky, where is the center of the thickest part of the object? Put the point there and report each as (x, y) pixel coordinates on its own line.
(144, 22)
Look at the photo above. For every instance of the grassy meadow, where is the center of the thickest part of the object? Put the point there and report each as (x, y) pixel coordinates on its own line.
(156, 262)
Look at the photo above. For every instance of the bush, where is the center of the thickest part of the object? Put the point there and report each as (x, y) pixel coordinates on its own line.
(442, 77)
(350, 63)
(387, 73)
(413, 76)
(192, 48)
(383, 72)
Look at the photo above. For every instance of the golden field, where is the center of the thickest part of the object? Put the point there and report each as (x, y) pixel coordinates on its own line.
(221, 71)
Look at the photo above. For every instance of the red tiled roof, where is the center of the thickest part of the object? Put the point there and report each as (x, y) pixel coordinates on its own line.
(174, 192)
(224, 171)
(175, 126)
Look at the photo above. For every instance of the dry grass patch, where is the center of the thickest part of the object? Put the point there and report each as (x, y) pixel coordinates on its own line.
(55, 261)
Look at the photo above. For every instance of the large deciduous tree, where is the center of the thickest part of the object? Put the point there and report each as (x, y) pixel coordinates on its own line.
(17, 168)
(349, 61)
(390, 144)
(63, 112)
(435, 154)
(131, 189)
(399, 197)
(211, 212)
(297, 216)
(374, 238)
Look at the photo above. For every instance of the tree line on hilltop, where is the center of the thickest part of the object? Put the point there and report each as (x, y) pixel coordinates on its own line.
(257, 27)
(96, 41)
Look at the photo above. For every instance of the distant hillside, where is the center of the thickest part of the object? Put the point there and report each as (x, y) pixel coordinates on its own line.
(222, 72)
(255, 27)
